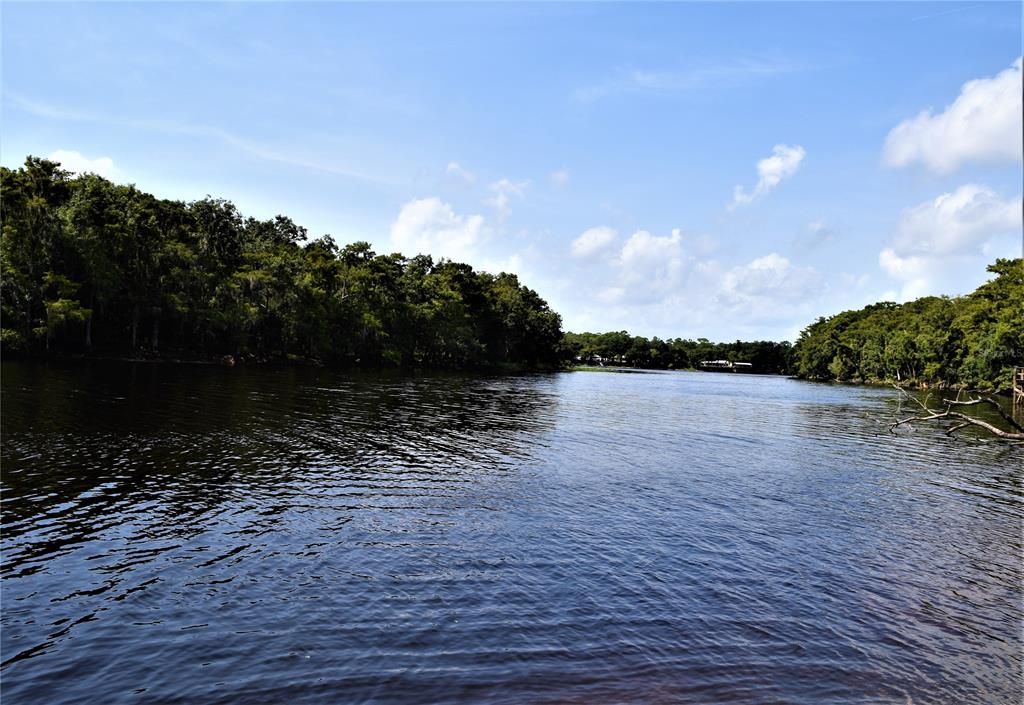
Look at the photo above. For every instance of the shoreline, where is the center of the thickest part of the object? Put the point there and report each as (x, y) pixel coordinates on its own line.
(231, 361)
(915, 385)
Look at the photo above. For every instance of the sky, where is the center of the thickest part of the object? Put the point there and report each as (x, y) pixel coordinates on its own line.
(727, 170)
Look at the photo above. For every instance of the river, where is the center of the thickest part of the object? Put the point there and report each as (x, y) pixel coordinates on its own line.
(190, 534)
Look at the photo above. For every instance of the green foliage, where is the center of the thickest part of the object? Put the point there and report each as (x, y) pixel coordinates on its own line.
(971, 341)
(619, 347)
(11, 341)
(92, 266)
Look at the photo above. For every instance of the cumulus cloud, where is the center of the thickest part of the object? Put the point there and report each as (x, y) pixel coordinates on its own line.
(504, 191)
(649, 266)
(559, 178)
(430, 226)
(983, 124)
(643, 248)
(768, 282)
(769, 292)
(592, 241)
(80, 164)
(957, 222)
(771, 171)
(659, 284)
(457, 171)
(936, 237)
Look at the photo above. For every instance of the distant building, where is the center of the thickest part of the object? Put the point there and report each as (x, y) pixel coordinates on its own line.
(725, 366)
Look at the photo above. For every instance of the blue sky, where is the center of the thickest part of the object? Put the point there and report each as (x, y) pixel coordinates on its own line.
(721, 170)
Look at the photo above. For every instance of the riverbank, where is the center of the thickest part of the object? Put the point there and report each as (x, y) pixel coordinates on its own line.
(912, 384)
(623, 370)
(168, 359)
(272, 362)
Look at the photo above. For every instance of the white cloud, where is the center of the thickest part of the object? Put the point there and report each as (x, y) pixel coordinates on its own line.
(650, 266)
(915, 272)
(559, 178)
(936, 238)
(658, 285)
(457, 171)
(513, 264)
(957, 222)
(983, 124)
(767, 292)
(592, 241)
(78, 163)
(504, 190)
(430, 226)
(771, 171)
(642, 247)
(768, 282)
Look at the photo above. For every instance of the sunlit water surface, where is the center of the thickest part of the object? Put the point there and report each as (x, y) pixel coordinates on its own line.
(180, 534)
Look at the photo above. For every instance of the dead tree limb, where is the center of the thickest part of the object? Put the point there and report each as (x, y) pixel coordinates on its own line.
(991, 402)
(964, 420)
(953, 429)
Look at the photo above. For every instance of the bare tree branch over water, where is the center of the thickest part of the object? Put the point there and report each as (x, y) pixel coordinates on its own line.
(1016, 435)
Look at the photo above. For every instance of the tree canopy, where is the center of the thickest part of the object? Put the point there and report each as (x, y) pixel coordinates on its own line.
(619, 347)
(970, 341)
(90, 266)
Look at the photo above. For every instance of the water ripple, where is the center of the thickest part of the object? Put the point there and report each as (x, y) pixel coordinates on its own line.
(197, 535)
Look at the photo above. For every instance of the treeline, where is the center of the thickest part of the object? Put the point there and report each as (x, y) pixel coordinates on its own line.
(620, 348)
(89, 266)
(971, 341)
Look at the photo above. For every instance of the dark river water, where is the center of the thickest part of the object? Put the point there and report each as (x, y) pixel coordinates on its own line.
(179, 534)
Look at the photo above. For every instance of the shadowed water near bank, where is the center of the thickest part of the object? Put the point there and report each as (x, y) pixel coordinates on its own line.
(186, 534)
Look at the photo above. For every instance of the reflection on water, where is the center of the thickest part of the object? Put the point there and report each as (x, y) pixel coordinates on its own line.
(205, 535)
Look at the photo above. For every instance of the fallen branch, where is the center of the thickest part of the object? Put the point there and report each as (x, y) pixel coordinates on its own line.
(991, 402)
(965, 420)
(953, 429)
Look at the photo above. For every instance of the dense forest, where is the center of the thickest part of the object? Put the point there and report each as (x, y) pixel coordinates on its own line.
(619, 347)
(970, 341)
(90, 266)
(93, 267)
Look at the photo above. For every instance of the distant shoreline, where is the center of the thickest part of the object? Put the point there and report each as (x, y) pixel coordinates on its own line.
(917, 385)
(230, 361)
